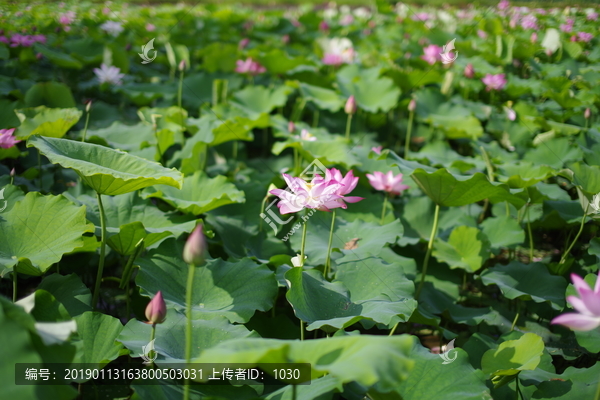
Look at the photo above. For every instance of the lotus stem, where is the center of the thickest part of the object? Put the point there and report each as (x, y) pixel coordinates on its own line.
(385, 201)
(429, 250)
(597, 396)
(394, 328)
(303, 244)
(87, 120)
(530, 237)
(301, 330)
(188, 326)
(315, 119)
(14, 276)
(411, 116)
(152, 335)
(328, 261)
(102, 251)
(348, 125)
(180, 93)
(40, 169)
(564, 257)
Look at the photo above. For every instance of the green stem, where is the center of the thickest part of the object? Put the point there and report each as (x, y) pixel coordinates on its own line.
(411, 115)
(180, 94)
(328, 261)
(301, 330)
(394, 328)
(507, 210)
(102, 251)
(429, 250)
(40, 169)
(302, 246)
(385, 201)
(188, 327)
(235, 149)
(597, 396)
(530, 237)
(14, 276)
(564, 257)
(315, 119)
(152, 335)
(348, 125)
(87, 120)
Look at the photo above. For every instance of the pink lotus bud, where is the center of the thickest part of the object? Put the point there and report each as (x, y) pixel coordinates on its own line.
(243, 43)
(587, 113)
(412, 106)
(323, 26)
(182, 65)
(13, 172)
(534, 37)
(291, 127)
(195, 247)
(469, 71)
(156, 310)
(350, 107)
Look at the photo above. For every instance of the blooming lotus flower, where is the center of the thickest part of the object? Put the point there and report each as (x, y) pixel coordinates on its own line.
(593, 16)
(587, 306)
(495, 82)
(347, 184)
(156, 310)
(111, 75)
(7, 140)
(584, 36)
(377, 149)
(422, 16)
(67, 18)
(529, 22)
(510, 113)
(195, 247)
(306, 136)
(432, 54)
(113, 28)
(346, 20)
(318, 195)
(249, 67)
(567, 28)
(243, 43)
(323, 26)
(482, 34)
(150, 27)
(296, 260)
(503, 5)
(337, 51)
(387, 182)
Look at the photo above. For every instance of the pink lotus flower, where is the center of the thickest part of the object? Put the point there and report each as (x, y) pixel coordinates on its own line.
(346, 20)
(593, 16)
(482, 34)
(510, 113)
(305, 136)
(387, 182)
(150, 27)
(534, 37)
(432, 54)
(495, 82)
(377, 149)
(584, 36)
(323, 26)
(337, 51)
(156, 310)
(348, 184)
(566, 28)
(319, 194)
(529, 22)
(7, 140)
(503, 5)
(469, 71)
(422, 16)
(243, 43)
(249, 67)
(67, 18)
(587, 306)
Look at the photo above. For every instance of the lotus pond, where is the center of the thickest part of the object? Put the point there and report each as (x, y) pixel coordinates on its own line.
(404, 198)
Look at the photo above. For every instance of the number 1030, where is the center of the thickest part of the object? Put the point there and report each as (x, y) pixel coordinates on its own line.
(287, 374)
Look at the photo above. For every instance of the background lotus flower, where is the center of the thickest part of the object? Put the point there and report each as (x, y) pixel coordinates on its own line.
(337, 51)
(306, 136)
(319, 194)
(584, 36)
(587, 306)
(469, 71)
(350, 107)
(249, 67)
(432, 54)
(529, 22)
(7, 140)
(387, 182)
(156, 310)
(113, 28)
(495, 82)
(108, 74)
(503, 5)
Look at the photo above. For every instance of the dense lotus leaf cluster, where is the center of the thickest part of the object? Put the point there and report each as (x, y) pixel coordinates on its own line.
(398, 195)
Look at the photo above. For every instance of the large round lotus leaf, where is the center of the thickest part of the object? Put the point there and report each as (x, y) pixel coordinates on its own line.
(107, 171)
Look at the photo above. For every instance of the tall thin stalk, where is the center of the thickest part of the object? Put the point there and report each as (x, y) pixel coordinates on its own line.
(411, 116)
(14, 276)
(429, 250)
(188, 326)
(566, 253)
(385, 201)
(348, 125)
(102, 251)
(328, 260)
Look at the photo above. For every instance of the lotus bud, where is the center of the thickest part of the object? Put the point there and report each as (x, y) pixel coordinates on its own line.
(587, 113)
(88, 106)
(350, 107)
(156, 310)
(182, 65)
(291, 127)
(195, 247)
(469, 71)
(534, 37)
(243, 43)
(323, 26)
(412, 106)
(13, 172)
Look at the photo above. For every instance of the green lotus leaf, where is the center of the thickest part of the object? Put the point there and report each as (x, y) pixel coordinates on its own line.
(50, 122)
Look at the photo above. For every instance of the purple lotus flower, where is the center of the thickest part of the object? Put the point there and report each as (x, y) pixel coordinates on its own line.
(584, 36)
(387, 182)
(592, 16)
(7, 140)
(67, 18)
(529, 22)
(347, 184)
(503, 5)
(249, 67)
(431, 54)
(566, 28)
(495, 82)
(587, 306)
